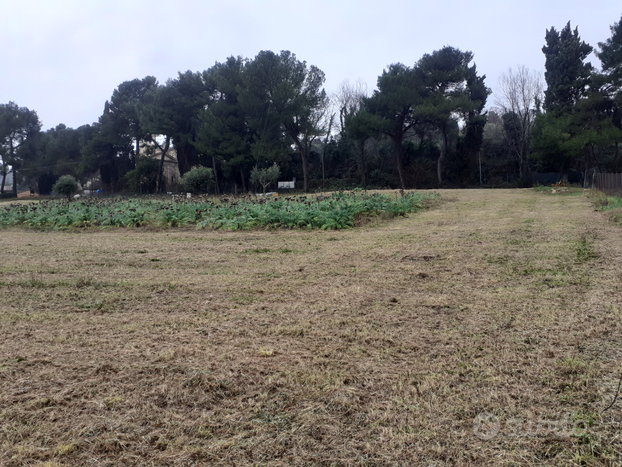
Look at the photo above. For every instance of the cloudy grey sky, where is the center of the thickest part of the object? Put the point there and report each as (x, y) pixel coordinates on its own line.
(63, 58)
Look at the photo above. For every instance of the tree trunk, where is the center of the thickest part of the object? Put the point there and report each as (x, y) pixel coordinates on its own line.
(441, 159)
(161, 166)
(362, 166)
(305, 170)
(304, 173)
(243, 180)
(3, 179)
(215, 175)
(14, 182)
(563, 171)
(399, 152)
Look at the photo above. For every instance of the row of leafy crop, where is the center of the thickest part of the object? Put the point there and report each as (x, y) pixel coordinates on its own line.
(337, 211)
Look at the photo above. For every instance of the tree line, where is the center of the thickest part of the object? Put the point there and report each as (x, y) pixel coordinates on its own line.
(574, 123)
(423, 126)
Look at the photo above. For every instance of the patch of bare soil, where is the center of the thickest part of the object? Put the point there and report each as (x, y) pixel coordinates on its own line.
(483, 332)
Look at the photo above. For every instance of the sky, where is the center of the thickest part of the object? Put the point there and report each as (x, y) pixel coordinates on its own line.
(64, 58)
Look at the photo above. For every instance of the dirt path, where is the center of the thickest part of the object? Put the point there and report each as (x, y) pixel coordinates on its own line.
(384, 345)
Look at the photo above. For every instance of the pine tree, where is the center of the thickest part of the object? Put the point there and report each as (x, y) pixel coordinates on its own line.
(610, 54)
(567, 76)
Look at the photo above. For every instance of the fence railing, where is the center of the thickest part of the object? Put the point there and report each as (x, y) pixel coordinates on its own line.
(611, 184)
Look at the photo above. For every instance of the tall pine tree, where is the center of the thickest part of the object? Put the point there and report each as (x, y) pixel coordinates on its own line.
(567, 76)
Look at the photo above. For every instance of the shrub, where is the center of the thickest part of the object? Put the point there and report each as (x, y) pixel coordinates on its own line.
(142, 179)
(197, 180)
(66, 185)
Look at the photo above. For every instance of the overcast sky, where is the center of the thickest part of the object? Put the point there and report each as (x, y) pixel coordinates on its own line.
(64, 58)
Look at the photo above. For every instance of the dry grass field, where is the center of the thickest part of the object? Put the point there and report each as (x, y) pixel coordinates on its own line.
(382, 345)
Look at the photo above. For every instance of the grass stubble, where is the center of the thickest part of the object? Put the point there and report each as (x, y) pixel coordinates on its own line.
(375, 346)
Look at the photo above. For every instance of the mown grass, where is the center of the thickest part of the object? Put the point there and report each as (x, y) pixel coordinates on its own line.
(333, 212)
(375, 346)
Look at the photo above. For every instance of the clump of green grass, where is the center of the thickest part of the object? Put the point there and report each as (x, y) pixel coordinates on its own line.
(614, 202)
(585, 250)
(257, 250)
(611, 204)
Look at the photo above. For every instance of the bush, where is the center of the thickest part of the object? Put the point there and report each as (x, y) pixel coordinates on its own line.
(66, 185)
(142, 179)
(197, 180)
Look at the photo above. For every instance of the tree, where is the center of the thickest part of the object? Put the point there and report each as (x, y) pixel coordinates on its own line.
(224, 132)
(197, 180)
(18, 125)
(121, 120)
(610, 55)
(99, 152)
(567, 76)
(265, 177)
(451, 91)
(519, 98)
(559, 135)
(356, 123)
(286, 95)
(392, 106)
(191, 96)
(66, 185)
(157, 118)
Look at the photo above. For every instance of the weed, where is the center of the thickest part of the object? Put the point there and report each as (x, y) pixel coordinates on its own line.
(113, 401)
(257, 250)
(64, 449)
(585, 250)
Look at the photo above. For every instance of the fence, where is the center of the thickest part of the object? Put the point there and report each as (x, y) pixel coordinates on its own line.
(611, 184)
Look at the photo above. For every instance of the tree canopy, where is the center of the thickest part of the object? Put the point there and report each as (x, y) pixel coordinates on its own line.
(424, 125)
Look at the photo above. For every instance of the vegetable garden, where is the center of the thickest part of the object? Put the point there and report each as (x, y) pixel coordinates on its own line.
(337, 211)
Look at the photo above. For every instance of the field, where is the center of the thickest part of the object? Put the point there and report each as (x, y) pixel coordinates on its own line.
(485, 331)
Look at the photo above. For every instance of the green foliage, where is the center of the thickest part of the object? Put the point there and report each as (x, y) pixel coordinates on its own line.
(66, 185)
(585, 250)
(452, 90)
(285, 97)
(197, 180)
(610, 54)
(339, 211)
(45, 183)
(429, 100)
(392, 107)
(142, 179)
(225, 131)
(18, 127)
(567, 77)
(265, 177)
